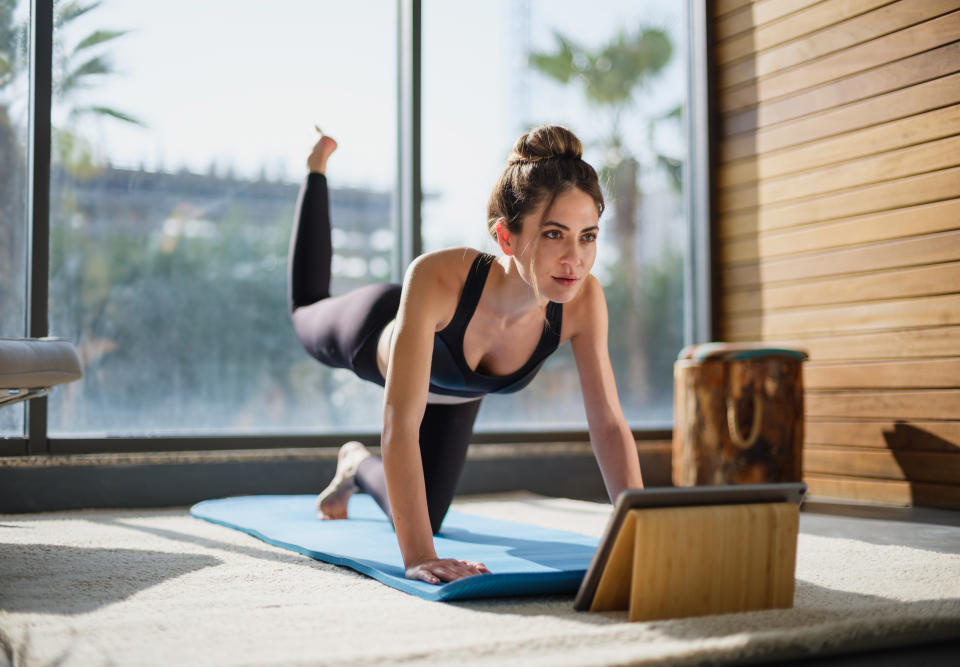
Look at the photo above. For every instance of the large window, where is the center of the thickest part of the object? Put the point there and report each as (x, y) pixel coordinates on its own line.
(180, 133)
(179, 137)
(14, 114)
(614, 73)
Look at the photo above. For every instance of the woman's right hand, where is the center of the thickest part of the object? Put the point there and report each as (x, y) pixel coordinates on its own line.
(439, 570)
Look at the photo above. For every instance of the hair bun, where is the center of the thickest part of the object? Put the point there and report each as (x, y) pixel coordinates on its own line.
(545, 142)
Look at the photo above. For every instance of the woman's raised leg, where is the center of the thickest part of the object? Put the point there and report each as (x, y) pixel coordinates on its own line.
(311, 250)
(339, 331)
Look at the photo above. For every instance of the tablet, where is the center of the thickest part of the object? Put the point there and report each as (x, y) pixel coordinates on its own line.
(677, 497)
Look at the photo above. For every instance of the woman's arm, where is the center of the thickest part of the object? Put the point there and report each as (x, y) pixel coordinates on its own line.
(423, 305)
(610, 437)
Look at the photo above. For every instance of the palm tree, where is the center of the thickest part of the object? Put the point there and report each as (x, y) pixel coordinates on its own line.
(76, 68)
(610, 76)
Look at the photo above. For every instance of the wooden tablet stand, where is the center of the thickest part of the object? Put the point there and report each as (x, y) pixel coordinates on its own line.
(674, 562)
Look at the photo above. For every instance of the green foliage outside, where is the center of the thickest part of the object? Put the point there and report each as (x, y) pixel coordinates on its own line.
(163, 321)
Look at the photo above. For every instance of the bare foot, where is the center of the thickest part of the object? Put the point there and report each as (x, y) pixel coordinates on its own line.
(317, 161)
(332, 501)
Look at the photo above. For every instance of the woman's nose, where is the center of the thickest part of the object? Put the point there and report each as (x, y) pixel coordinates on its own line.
(571, 253)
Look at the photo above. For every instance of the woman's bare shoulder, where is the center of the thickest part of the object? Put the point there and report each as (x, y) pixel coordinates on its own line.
(435, 279)
(447, 267)
(450, 257)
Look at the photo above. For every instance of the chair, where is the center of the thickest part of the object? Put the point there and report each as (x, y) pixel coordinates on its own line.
(31, 367)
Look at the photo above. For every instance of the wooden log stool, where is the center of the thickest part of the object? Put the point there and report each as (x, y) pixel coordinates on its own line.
(738, 414)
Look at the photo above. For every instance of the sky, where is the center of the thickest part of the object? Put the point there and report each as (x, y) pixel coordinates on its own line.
(242, 83)
(237, 86)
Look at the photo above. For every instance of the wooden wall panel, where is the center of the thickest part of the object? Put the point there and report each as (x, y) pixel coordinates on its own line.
(900, 133)
(752, 15)
(887, 492)
(898, 374)
(835, 38)
(928, 311)
(881, 196)
(910, 251)
(726, 6)
(900, 223)
(752, 43)
(883, 464)
(915, 84)
(837, 228)
(914, 343)
(877, 64)
(906, 404)
(896, 164)
(875, 286)
(870, 56)
(890, 435)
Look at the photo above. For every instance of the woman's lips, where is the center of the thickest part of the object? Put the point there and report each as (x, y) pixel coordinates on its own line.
(566, 281)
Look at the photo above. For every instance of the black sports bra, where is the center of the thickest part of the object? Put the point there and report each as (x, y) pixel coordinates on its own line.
(449, 373)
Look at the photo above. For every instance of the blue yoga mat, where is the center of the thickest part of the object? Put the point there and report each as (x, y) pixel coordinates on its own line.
(523, 559)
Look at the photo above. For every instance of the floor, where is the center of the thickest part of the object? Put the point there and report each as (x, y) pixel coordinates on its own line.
(923, 528)
(162, 563)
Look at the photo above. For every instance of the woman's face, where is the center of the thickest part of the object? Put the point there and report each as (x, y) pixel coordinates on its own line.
(566, 248)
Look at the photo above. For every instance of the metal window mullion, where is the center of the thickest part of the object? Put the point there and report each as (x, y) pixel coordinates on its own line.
(700, 310)
(409, 190)
(38, 258)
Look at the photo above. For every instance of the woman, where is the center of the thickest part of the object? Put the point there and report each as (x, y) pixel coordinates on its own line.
(464, 324)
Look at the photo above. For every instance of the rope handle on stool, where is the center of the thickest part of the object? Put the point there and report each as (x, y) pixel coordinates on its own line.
(754, 428)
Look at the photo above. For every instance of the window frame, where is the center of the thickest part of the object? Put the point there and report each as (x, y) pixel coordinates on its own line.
(699, 325)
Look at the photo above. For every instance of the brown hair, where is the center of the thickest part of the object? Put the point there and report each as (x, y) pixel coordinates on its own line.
(544, 162)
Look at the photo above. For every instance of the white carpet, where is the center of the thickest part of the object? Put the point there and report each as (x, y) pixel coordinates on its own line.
(162, 588)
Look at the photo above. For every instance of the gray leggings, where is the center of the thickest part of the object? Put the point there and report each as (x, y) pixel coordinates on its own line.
(342, 332)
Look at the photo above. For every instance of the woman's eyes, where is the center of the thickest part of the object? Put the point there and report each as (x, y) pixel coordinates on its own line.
(554, 234)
